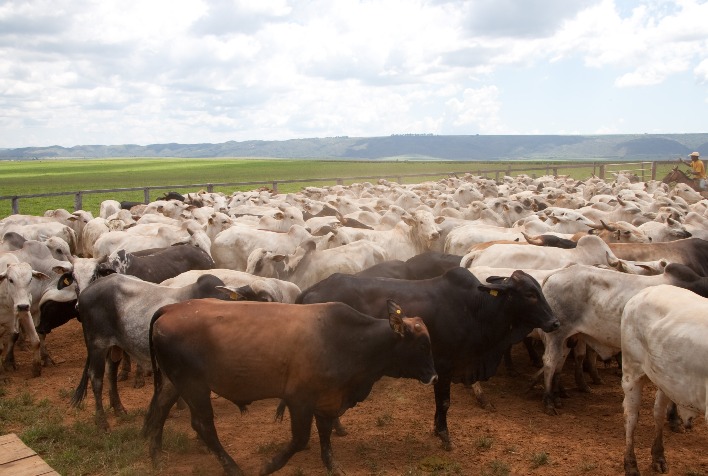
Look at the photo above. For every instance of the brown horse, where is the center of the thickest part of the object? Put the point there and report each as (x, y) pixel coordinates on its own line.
(679, 176)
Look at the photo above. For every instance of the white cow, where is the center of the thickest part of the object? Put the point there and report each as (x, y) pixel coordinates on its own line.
(307, 265)
(664, 335)
(232, 246)
(253, 288)
(590, 301)
(590, 250)
(18, 284)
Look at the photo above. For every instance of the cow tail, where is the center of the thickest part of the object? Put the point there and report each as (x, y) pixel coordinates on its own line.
(157, 374)
(152, 415)
(280, 411)
(80, 391)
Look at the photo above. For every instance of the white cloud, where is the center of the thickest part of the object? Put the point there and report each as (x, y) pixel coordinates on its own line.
(216, 70)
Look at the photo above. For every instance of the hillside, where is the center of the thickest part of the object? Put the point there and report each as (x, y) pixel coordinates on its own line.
(406, 147)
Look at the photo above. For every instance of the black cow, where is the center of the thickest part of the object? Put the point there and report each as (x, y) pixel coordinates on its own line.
(160, 264)
(471, 324)
(422, 266)
(321, 359)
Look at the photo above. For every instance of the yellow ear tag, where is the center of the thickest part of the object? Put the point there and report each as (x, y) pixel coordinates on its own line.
(398, 311)
(493, 292)
(66, 281)
(234, 296)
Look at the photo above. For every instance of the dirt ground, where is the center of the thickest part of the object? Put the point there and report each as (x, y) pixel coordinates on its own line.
(390, 432)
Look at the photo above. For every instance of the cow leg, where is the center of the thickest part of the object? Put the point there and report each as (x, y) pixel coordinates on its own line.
(112, 362)
(590, 366)
(509, 363)
(632, 400)
(300, 427)
(658, 460)
(31, 333)
(442, 404)
(534, 357)
(8, 361)
(46, 358)
(579, 354)
(198, 398)
(339, 428)
(164, 396)
(139, 376)
(125, 368)
(324, 429)
(96, 365)
(480, 396)
(553, 357)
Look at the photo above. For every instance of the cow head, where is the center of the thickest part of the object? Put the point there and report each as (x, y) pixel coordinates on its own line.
(524, 300)
(18, 278)
(413, 353)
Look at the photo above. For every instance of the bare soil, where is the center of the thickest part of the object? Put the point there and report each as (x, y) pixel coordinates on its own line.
(390, 433)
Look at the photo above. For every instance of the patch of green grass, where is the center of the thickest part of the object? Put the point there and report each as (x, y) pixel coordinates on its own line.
(384, 419)
(439, 465)
(496, 468)
(588, 466)
(80, 448)
(484, 442)
(539, 459)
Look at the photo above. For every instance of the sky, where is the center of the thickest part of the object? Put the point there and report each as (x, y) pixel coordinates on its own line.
(77, 72)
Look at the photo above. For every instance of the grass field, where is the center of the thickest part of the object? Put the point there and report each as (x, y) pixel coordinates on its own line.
(49, 176)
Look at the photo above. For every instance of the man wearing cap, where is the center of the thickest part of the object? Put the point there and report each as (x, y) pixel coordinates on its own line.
(699, 170)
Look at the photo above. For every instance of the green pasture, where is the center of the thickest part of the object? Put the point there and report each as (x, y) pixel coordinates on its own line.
(69, 175)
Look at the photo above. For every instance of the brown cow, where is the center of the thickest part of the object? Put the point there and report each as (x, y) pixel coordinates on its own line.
(321, 359)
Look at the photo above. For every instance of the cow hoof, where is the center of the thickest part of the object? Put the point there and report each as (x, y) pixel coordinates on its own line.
(445, 439)
(47, 361)
(122, 376)
(598, 381)
(659, 466)
(676, 427)
(339, 429)
(550, 410)
(9, 365)
(36, 369)
(139, 384)
(585, 389)
(102, 423)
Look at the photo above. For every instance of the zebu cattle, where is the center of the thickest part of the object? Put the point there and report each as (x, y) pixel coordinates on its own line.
(693, 252)
(115, 312)
(232, 246)
(327, 359)
(43, 231)
(408, 238)
(307, 265)
(16, 295)
(471, 324)
(590, 301)
(160, 264)
(110, 243)
(245, 285)
(665, 343)
(670, 230)
(590, 250)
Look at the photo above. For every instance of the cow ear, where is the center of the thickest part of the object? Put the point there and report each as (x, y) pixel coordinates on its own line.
(495, 285)
(39, 275)
(236, 294)
(395, 318)
(65, 280)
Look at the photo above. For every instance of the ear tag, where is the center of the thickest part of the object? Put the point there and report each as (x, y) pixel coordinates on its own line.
(234, 296)
(494, 292)
(67, 282)
(398, 311)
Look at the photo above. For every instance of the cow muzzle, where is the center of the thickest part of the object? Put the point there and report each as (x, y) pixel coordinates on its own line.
(23, 307)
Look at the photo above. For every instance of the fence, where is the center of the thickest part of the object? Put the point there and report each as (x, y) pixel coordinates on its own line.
(598, 169)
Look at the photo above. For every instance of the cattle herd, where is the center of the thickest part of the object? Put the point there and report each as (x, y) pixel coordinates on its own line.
(312, 297)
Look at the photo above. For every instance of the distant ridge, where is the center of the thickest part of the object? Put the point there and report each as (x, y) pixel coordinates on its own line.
(406, 147)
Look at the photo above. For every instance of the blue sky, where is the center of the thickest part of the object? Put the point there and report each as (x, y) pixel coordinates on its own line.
(78, 72)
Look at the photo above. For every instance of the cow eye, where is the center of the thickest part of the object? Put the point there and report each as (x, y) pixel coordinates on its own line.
(11, 281)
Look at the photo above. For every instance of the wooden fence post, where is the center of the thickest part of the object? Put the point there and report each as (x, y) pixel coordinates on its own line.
(78, 203)
(146, 194)
(275, 186)
(15, 205)
(653, 170)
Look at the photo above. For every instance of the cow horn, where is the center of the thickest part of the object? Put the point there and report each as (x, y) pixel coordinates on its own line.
(612, 260)
(533, 240)
(608, 227)
(620, 201)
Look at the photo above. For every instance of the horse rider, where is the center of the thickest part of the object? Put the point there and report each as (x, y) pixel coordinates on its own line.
(698, 169)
